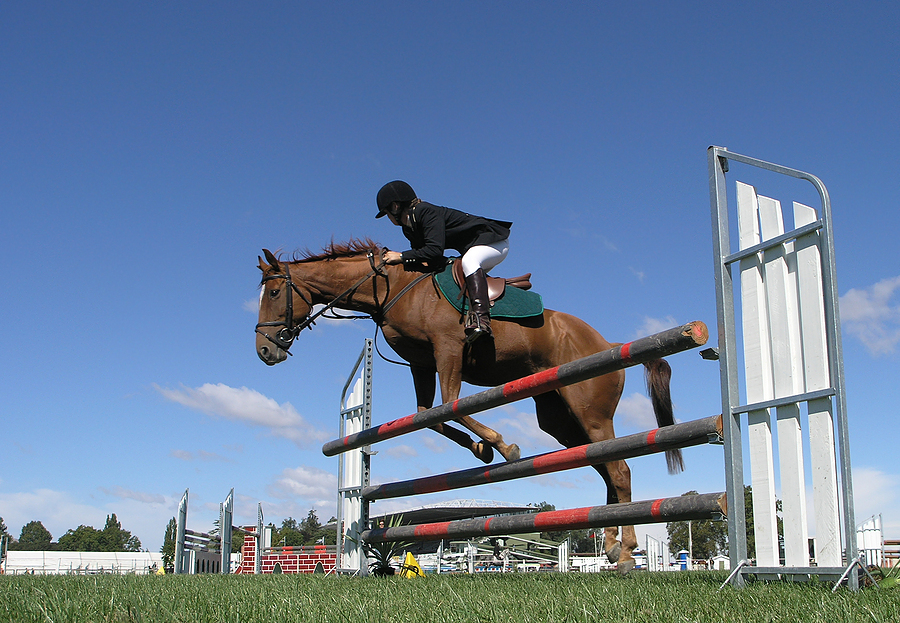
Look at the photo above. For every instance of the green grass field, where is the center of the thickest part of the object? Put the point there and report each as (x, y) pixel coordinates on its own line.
(519, 598)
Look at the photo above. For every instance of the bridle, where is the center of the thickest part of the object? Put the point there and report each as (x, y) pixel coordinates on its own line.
(289, 331)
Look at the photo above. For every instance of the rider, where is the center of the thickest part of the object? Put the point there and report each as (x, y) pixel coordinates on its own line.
(430, 229)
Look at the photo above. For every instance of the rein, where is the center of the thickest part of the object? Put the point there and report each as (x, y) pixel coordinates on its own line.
(289, 331)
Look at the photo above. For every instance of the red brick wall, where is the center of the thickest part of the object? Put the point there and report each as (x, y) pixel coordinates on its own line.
(292, 559)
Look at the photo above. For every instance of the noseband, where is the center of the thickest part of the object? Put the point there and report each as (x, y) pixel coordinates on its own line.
(289, 331)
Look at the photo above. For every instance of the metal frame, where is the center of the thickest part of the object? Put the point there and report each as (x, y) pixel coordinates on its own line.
(718, 159)
(186, 555)
(260, 537)
(358, 417)
(226, 525)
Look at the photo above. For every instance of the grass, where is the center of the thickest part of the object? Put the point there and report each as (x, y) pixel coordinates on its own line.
(494, 598)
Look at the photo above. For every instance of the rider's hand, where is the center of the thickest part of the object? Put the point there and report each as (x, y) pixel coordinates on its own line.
(392, 257)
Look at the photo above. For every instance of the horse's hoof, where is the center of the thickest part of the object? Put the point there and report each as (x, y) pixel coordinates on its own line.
(513, 453)
(612, 554)
(625, 566)
(485, 452)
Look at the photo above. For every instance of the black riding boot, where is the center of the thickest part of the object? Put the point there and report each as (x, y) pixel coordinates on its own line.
(478, 320)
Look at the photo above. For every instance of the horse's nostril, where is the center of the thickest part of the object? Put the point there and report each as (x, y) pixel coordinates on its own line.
(264, 352)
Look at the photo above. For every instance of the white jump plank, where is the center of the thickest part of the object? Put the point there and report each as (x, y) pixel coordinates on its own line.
(823, 462)
(758, 380)
(784, 327)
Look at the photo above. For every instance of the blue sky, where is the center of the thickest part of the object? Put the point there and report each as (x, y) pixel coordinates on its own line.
(150, 151)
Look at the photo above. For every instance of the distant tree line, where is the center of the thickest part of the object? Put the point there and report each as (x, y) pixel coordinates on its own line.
(112, 538)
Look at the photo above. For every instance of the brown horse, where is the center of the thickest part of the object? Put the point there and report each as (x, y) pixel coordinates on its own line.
(425, 330)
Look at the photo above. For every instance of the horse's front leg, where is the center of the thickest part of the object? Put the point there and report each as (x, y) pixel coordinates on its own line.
(451, 382)
(424, 383)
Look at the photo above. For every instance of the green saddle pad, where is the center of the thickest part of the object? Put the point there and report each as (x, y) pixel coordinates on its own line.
(515, 302)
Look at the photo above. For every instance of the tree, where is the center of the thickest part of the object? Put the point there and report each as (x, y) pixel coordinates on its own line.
(587, 541)
(168, 547)
(328, 533)
(34, 537)
(114, 539)
(81, 539)
(707, 537)
(310, 528)
(5, 538)
(748, 518)
(307, 532)
(288, 535)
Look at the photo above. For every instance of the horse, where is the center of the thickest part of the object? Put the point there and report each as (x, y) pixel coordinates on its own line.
(424, 329)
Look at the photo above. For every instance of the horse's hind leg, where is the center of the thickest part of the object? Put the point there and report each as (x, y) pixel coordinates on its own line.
(593, 403)
(617, 476)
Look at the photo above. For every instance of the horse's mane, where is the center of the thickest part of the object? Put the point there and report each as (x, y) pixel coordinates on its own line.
(335, 250)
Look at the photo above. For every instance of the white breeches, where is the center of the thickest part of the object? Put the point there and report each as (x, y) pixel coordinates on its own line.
(484, 256)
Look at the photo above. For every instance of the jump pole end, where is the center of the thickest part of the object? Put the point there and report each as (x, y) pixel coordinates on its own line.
(723, 504)
(697, 331)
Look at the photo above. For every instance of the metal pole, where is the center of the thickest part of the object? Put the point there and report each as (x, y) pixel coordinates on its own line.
(728, 378)
(225, 529)
(180, 523)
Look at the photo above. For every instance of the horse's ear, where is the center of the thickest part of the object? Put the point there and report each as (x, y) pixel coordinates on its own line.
(273, 261)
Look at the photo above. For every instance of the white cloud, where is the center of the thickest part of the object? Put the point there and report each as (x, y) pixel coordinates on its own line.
(138, 496)
(143, 514)
(655, 325)
(876, 492)
(873, 315)
(522, 428)
(314, 485)
(608, 244)
(247, 406)
(434, 443)
(636, 411)
(402, 451)
(199, 455)
(56, 510)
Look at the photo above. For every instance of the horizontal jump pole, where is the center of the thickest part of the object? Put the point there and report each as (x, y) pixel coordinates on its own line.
(202, 535)
(684, 508)
(682, 435)
(633, 353)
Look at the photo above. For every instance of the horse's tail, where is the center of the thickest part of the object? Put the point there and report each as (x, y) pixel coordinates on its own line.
(658, 373)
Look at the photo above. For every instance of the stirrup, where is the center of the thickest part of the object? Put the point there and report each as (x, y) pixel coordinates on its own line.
(476, 327)
(474, 334)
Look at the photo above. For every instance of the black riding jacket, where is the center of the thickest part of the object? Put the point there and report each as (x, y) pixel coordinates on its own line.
(436, 228)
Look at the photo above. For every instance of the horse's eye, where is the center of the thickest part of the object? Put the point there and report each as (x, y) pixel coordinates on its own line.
(273, 293)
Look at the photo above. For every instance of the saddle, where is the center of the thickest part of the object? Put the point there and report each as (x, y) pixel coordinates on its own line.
(496, 285)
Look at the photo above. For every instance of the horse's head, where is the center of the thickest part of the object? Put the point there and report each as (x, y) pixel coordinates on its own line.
(284, 309)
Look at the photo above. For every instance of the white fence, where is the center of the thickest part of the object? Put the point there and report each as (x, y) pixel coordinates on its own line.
(53, 563)
(870, 541)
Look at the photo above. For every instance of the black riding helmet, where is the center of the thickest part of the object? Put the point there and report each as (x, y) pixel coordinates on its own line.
(398, 191)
